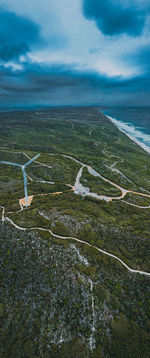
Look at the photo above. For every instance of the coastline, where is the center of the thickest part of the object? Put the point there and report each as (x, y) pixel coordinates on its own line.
(119, 125)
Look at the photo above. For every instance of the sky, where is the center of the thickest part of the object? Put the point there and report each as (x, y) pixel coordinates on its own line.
(82, 52)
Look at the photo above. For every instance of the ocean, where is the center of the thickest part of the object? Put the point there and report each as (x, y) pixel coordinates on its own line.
(133, 121)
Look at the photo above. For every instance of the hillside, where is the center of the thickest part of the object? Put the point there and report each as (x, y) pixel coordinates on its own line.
(75, 264)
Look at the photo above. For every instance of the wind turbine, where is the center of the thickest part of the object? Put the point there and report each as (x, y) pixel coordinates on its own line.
(23, 172)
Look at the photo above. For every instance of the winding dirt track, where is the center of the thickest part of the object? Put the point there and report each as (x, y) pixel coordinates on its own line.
(5, 218)
(80, 189)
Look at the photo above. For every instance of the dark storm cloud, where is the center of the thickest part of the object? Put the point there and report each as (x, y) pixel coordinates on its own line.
(63, 85)
(38, 77)
(112, 18)
(17, 34)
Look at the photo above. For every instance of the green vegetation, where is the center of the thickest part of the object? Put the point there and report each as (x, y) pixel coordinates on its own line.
(46, 307)
(137, 199)
(97, 185)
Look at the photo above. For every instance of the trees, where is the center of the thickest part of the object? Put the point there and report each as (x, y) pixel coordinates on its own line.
(129, 340)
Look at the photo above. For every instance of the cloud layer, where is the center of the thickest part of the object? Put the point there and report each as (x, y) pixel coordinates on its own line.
(112, 18)
(17, 34)
(64, 85)
(68, 60)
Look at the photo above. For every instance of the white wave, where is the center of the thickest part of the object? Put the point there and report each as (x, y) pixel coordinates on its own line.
(140, 138)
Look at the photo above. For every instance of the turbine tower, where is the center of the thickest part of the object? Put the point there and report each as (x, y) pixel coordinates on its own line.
(24, 173)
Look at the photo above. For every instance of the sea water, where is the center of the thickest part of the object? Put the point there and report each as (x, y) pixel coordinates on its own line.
(133, 121)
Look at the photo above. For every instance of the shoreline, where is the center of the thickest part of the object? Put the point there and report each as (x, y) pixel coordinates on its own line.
(145, 147)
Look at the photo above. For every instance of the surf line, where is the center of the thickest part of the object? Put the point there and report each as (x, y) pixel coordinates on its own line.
(125, 128)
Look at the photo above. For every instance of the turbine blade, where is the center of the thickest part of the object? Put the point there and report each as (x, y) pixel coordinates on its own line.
(31, 160)
(9, 163)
